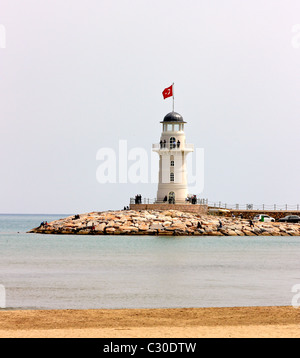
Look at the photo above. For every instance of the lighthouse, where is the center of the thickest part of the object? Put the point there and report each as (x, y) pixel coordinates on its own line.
(172, 150)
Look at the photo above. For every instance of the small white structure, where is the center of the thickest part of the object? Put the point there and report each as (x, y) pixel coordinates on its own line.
(172, 151)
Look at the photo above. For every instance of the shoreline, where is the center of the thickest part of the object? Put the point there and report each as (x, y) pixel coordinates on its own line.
(257, 321)
(163, 223)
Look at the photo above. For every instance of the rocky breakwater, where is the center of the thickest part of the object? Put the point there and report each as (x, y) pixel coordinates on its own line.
(171, 222)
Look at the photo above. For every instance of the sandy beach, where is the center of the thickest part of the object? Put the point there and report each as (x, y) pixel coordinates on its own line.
(235, 322)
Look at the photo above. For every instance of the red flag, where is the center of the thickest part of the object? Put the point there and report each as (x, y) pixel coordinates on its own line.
(168, 92)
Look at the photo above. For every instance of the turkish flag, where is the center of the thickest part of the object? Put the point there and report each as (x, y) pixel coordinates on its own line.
(168, 92)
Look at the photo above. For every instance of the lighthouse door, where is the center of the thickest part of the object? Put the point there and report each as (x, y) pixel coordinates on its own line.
(171, 197)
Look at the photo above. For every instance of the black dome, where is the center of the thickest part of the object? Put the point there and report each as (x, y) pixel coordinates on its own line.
(173, 117)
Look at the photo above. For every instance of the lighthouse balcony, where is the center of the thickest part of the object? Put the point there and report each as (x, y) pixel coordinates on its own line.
(164, 147)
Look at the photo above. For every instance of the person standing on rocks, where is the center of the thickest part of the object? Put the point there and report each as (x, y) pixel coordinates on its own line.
(251, 223)
(220, 225)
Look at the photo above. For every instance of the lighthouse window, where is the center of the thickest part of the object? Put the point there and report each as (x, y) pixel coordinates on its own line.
(172, 163)
(176, 127)
(171, 176)
(172, 143)
(169, 127)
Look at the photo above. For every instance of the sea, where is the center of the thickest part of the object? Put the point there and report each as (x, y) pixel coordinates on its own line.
(112, 272)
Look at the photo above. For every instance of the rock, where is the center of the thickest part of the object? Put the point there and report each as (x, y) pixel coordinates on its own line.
(100, 227)
(82, 232)
(151, 232)
(167, 223)
(150, 217)
(128, 228)
(248, 233)
(143, 227)
(167, 213)
(110, 217)
(110, 230)
(201, 231)
(140, 219)
(156, 226)
(165, 232)
(111, 223)
(223, 232)
(188, 224)
(213, 233)
(231, 232)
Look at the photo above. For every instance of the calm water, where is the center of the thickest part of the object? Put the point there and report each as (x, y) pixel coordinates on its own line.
(51, 271)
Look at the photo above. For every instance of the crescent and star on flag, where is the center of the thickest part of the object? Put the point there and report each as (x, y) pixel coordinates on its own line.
(169, 92)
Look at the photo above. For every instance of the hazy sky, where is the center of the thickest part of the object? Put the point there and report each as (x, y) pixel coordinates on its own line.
(77, 76)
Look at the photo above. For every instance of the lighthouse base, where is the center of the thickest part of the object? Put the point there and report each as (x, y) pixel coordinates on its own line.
(190, 208)
(172, 193)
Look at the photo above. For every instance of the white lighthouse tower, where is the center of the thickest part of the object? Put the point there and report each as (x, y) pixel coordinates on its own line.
(172, 151)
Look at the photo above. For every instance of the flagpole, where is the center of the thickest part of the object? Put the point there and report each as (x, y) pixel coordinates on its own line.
(173, 95)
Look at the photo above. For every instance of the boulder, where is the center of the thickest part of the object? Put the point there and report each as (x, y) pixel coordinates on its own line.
(83, 232)
(151, 232)
(231, 232)
(156, 226)
(143, 227)
(178, 226)
(167, 223)
(248, 233)
(125, 228)
(111, 223)
(167, 213)
(239, 232)
(188, 223)
(110, 230)
(213, 233)
(100, 227)
(165, 233)
(109, 216)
